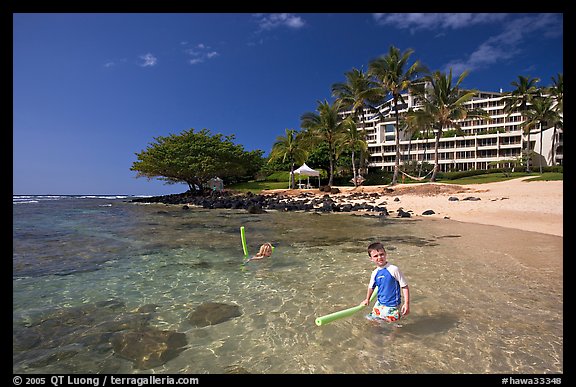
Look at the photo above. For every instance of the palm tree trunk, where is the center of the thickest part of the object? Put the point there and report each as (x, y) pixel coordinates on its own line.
(423, 155)
(354, 170)
(553, 163)
(528, 155)
(397, 159)
(541, 155)
(362, 155)
(331, 158)
(397, 136)
(436, 163)
(409, 148)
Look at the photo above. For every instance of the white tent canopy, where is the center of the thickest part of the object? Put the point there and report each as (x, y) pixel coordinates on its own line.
(307, 171)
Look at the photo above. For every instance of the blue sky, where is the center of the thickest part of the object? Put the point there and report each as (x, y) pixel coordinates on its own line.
(91, 90)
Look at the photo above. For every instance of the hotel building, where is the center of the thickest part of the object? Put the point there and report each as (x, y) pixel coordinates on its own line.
(485, 143)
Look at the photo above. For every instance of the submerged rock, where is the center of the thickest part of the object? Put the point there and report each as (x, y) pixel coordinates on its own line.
(212, 313)
(149, 348)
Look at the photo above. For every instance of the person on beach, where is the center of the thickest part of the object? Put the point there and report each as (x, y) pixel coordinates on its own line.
(265, 251)
(392, 287)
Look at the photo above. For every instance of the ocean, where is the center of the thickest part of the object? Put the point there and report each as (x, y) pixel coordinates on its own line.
(103, 285)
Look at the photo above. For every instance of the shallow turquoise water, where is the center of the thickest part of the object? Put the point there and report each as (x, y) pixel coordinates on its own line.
(84, 270)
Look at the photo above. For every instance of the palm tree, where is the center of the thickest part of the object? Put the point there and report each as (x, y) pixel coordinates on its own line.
(289, 148)
(557, 92)
(325, 126)
(519, 100)
(541, 113)
(353, 140)
(443, 106)
(418, 122)
(355, 95)
(391, 73)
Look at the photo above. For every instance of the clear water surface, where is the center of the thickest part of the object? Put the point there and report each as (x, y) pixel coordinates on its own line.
(87, 269)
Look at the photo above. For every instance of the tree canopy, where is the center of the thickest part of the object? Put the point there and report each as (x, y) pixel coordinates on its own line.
(195, 157)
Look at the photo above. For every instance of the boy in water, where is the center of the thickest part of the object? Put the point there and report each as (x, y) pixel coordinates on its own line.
(392, 287)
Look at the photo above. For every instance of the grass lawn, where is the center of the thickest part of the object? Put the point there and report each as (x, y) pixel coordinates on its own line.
(257, 186)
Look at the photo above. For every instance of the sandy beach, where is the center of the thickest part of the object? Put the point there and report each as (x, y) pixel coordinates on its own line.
(519, 203)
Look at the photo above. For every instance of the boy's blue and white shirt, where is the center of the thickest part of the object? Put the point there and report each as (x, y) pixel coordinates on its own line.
(389, 280)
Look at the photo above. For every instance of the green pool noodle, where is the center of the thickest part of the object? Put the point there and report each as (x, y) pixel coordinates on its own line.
(323, 320)
(243, 237)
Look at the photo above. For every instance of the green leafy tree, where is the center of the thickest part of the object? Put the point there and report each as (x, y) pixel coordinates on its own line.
(353, 140)
(194, 157)
(290, 148)
(326, 126)
(318, 157)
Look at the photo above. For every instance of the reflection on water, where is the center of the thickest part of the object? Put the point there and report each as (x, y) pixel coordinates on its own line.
(475, 308)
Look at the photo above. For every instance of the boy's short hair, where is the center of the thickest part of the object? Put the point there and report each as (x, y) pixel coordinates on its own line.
(375, 246)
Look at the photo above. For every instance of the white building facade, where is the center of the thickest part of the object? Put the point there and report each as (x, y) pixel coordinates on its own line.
(486, 143)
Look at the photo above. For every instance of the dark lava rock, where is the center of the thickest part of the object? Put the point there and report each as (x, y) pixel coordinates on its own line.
(212, 313)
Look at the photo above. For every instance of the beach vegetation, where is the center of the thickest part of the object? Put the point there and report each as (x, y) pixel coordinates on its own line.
(443, 105)
(556, 91)
(359, 93)
(352, 140)
(542, 115)
(507, 166)
(327, 126)
(194, 157)
(318, 158)
(291, 149)
(394, 78)
(519, 100)
(380, 177)
(417, 126)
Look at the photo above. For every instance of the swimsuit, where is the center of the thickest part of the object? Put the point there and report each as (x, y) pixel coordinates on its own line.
(386, 313)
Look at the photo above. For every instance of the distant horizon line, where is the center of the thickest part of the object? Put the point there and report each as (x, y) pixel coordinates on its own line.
(87, 195)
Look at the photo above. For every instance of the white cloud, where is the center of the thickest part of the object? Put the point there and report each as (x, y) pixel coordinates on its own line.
(200, 53)
(113, 63)
(275, 20)
(419, 21)
(149, 60)
(508, 42)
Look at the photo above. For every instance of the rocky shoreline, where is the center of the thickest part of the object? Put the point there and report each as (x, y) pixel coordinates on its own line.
(518, 203)
(259, 203)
